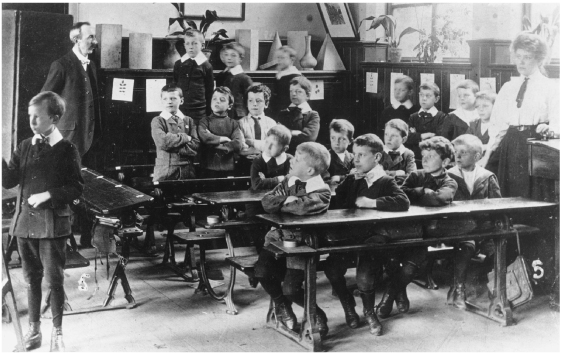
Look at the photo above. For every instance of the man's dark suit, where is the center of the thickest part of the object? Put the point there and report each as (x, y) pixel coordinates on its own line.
(68, 78)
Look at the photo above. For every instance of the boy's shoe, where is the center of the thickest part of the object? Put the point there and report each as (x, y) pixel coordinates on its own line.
(286, 315)
(57, 344)
(386, 305)
(456, 296)
(368, 300)
(32, 340)
(402, 301)
(322, 321)
(352, 318)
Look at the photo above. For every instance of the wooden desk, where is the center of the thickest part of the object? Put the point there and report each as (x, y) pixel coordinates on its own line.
(237, 197)
(498, 310)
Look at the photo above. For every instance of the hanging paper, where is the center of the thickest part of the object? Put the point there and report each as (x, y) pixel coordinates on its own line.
(371, 82)
(426, 78)
(154, 87)
(122, 89)
(488, 84)
(455, 80)
(318, 92)
(394, 77)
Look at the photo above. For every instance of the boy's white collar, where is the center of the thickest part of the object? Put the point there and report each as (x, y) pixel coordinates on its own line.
(304, 106)
(280, 159)
(291, 70)
(200, 58)
(166, 115)
(236, 70)
(374, 174)
(433, 111)
(466, 115)
(54, 137)
(407, 104)
(313, 184)
(402, 149)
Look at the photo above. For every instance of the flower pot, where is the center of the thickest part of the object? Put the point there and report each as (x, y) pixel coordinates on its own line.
(308, 62)
(394, 54)
(171, 55)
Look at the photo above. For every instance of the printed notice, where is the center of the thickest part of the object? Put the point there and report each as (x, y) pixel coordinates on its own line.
(318, 92)
(426, 78)
(488, 84)
(154, 86)
(394, 77)
(371, 82)
(122, 89)
(455, 80)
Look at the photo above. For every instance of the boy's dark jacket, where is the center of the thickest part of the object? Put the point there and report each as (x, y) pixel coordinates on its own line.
(443, 188)
(308, 203)
(309, 123)
(386, 192)
(485, 186)
(55, 169)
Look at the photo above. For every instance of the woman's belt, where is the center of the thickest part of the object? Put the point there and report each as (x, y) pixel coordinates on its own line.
(523, 128)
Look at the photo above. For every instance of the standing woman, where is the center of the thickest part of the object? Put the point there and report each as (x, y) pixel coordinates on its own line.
(526, 107)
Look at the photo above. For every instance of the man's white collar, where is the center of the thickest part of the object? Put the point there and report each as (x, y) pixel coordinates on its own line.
(313, 184)
(200, 58)
(166, 115)
(280, 159)
(433, 111)
(291, 70)
(54, 137)
(407, 104)
(304, 106)
(79, 55)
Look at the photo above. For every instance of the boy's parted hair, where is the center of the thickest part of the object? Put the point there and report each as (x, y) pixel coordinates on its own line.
(370, 140)
(304, 83)
(191, 32)
(342, 125)
(257, 88)
(399, 125)
(236, 47)
(76, 31)
(486, 95)
(226, 91)
(407, 80)
(287, 49)
(468, 84)
(471, 141)
(282, 134)
(319, 157)
(172, 88)
(441, 145)
(55, 104)
(430, 86)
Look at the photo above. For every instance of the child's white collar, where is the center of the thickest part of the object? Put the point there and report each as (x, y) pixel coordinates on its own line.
(280, 159)
(304, 106)
(54, 138)
(407, 104)
(433, 111)
(402, 149)
(466, 115)
(290, 70)
(236, 70)
(166, 115)
(200, 58)
(313, 184)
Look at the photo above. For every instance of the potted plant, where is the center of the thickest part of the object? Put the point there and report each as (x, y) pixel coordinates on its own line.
(547, 28)
(428, 47)
(389, 23)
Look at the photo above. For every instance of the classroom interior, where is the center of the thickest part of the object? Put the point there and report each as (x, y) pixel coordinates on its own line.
(353, 79)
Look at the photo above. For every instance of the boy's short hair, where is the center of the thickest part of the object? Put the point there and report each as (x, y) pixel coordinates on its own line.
(172, 88)
(303, 82)
(319, 157)
(471, 141)
(226, 91)
(282, 134)
(468, 84)
(399, 125)
(287, 49)
(55, 104)
(341, 125)
(486, 95)
(407, 80)
(370, 140)
(441, 145)
(430, 86)
(257, 88)
(192, 32)
(236, 47)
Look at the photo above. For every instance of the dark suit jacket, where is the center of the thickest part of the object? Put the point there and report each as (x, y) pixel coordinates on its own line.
(55, 169)
(309, 123)
(68, 78)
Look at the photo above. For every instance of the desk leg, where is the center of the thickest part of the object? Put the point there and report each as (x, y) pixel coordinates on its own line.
(309, 331)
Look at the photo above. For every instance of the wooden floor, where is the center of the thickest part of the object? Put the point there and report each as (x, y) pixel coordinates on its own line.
(171, 317)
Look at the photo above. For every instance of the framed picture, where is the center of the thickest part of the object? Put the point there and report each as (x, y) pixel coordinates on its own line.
(225, 11)
(337, 20)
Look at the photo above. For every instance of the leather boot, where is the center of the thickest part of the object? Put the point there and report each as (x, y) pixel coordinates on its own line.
(403, 303)
(57, 344)
(32, 340)
(368, 301)
(352, 318)
(386, 305)
(407, 274)
(456, 294)
(459, 297)
(322, 321)
(285, 314)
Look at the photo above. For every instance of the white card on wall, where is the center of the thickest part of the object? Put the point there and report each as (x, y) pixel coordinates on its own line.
(371, 82)
(394, 77)
(426, 78)
(154, 87)
(318, 92)
(122, 89)
(455, 79)
(488, 84)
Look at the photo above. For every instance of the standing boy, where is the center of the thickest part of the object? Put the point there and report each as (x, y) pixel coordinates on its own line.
(175, 137)
(428, 122)
(369, 187)
(285, 56)
(457, 122)
(220, 136)
(403, 108)
(234, 77)
(341, 160)
(428, 187)
(302, 192)
(302, 121)
(484, 102)
(256, 124)
(47, 169)
(474, 183)
(397, 160)
(194, 75)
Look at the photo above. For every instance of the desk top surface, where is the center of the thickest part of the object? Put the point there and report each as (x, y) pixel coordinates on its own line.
(109, 196)
(332, 217)
(234, 197)
(191, 182)
(551, 144)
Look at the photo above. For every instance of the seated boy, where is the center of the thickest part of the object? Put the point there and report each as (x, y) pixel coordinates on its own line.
(220, 136)
(234, 77)
(474, 182)
(457, 122)
(256, 124)
(271, 167)
(428, 187)
(302, 192)
(428, 122)
(370, 187)
(403, 108)
(397, 160)
(285, 57)
(341, 160)
(175, 137)
(302, 121)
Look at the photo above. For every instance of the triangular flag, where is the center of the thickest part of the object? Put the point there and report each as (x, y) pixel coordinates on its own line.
(276, 44)
(328, 58)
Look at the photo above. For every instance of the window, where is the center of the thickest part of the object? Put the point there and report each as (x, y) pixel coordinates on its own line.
(452, 23)
(535, 12)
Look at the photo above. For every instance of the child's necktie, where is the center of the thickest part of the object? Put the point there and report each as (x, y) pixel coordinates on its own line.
(394, 154)
(257, 128)
(424, 114)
